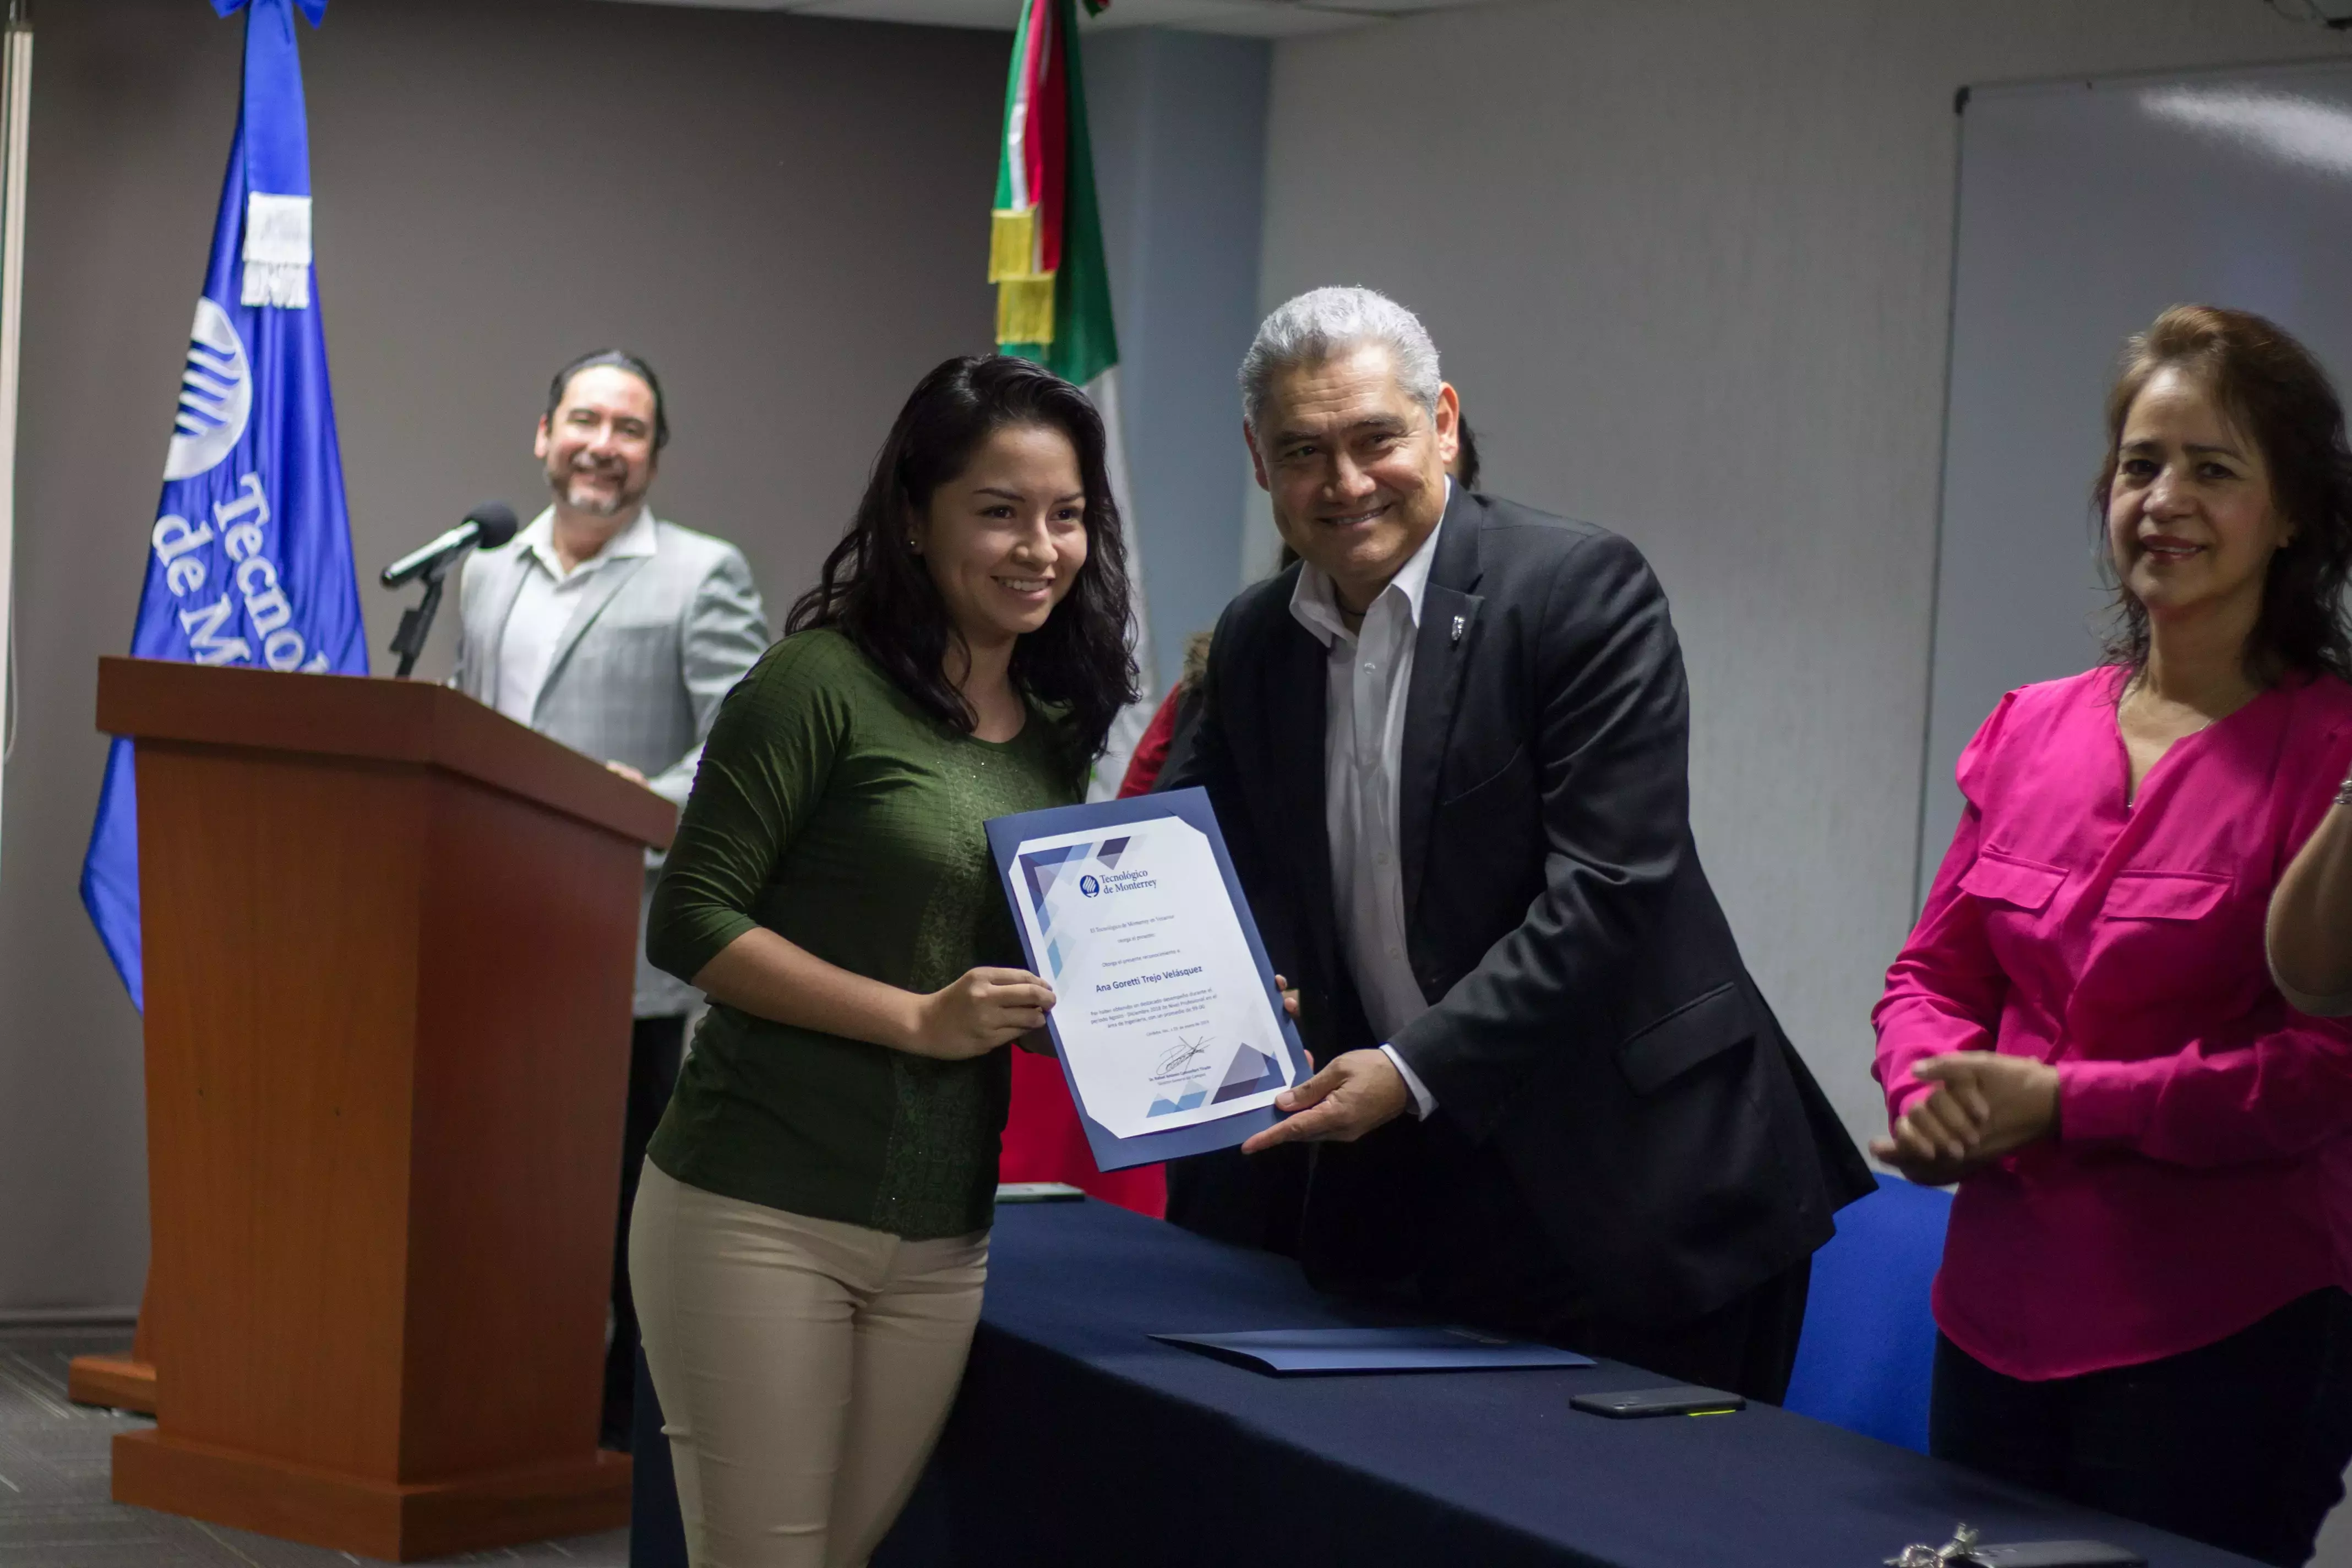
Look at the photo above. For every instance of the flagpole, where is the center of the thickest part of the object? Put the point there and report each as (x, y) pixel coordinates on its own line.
(15, 122)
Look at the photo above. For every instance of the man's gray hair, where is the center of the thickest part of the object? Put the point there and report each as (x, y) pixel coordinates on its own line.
(1322, 323)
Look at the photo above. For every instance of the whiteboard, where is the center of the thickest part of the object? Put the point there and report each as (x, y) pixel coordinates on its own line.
(2085, 208)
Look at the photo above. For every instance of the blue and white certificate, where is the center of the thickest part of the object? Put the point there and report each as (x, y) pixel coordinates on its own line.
(1166, 1019)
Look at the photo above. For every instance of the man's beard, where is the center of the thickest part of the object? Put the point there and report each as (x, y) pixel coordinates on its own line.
(595, 503)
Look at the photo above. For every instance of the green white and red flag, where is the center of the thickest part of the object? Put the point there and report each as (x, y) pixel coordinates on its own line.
(1053, 290)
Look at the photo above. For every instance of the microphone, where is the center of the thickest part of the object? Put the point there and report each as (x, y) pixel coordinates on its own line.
(487, 526)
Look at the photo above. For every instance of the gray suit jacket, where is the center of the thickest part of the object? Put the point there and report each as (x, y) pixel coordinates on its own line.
(654, 645)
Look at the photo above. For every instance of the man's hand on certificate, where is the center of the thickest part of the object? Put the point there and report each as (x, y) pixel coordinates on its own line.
(1359, 1092)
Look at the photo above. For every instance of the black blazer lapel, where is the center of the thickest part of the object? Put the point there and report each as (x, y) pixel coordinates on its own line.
(1440, 653)
(1296, 690)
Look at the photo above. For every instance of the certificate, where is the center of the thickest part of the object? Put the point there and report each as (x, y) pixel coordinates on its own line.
(1166, 1019)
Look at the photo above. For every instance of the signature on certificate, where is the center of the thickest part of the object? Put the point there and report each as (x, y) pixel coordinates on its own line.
(1179, 1057)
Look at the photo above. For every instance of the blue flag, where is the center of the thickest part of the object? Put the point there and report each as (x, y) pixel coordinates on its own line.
(249, 560)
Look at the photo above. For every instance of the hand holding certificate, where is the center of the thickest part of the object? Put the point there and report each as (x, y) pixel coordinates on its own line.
(1168, 1023)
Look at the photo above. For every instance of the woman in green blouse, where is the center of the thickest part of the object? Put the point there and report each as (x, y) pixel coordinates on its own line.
(812, 1233)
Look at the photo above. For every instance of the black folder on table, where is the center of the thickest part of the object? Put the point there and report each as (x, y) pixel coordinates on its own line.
(1306, 1352)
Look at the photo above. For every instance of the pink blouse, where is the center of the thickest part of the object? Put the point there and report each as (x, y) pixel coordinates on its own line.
(2121, 941)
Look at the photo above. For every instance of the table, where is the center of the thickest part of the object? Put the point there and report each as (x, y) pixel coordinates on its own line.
(1078, 1440)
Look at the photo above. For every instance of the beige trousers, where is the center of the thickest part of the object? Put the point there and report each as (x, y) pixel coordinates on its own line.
(805, 1369)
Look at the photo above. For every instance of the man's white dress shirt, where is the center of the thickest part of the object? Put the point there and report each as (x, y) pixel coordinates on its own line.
(545, 605)
(1370, 671)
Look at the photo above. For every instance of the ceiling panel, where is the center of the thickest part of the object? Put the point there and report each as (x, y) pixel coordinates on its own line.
(996, 14)
(1188, 14)
(1384, 8)
(1248, 18)
(1275, 21)
(726, 5)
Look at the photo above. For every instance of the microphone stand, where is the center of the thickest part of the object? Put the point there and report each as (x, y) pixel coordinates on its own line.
(416, 623)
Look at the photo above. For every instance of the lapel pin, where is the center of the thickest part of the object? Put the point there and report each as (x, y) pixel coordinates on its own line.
(1459, 623)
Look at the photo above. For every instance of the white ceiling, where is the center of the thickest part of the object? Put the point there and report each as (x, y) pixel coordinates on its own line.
(1250, 18)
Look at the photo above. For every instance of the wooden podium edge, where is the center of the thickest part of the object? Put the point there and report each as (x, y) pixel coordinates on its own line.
(115, 1381)
(375, 1519)
(365, 719)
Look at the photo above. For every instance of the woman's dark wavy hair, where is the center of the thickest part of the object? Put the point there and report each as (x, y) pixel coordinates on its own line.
(876, 590)
(2277, 396)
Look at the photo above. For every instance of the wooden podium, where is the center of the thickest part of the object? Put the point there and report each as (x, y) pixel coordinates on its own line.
(389, 943)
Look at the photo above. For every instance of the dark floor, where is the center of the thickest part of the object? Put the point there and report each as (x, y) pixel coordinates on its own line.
(54, 1511)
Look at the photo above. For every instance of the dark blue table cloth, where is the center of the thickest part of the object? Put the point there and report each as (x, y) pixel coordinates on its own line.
(1078, 1440)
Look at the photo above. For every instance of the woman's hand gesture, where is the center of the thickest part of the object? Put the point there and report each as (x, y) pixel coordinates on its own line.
(1985, 1106)
(978, 1011)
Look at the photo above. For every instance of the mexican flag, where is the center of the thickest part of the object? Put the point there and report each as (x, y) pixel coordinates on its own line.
(1053, 292)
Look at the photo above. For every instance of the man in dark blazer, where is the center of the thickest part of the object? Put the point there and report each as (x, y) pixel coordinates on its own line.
(1448, 752)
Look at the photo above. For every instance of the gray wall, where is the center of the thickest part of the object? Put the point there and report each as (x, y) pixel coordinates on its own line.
(789, 217)
(1690, 267)
(1178, 125)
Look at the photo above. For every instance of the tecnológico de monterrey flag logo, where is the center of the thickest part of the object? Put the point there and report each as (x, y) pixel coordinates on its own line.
(249, 551)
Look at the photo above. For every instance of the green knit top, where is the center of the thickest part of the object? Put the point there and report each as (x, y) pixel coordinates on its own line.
(834, 811)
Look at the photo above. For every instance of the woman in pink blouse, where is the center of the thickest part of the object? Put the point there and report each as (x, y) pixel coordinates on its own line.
(2140, 1304)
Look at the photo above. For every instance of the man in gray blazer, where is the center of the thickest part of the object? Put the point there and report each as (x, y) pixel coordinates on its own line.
(616, 633)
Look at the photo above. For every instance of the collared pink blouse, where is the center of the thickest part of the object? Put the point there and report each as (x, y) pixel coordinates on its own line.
(2121, 941)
